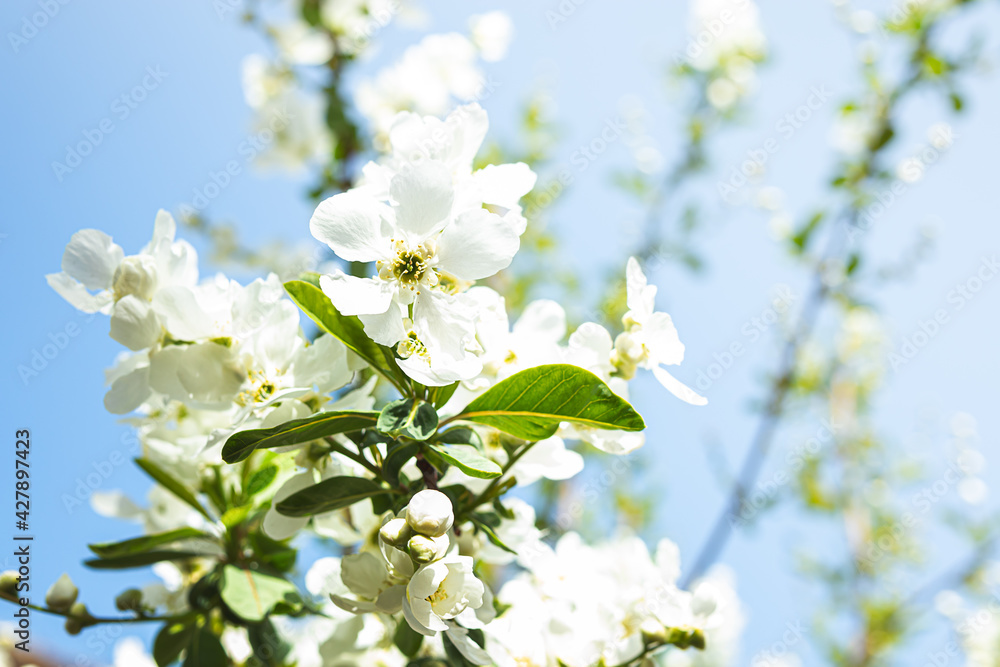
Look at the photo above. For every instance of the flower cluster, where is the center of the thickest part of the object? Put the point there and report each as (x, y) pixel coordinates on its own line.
(726, 44)
(395, 434)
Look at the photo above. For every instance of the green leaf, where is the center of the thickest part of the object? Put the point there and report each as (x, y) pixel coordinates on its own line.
(460, 435)
(146, 543)
(348, 330)
(268, 648)
(439, 396)
(330, 494)
(205, 650)
(261, 479)
(252, 595)
(173, 485)
(234, 516)
(468, 460)
(140, 560)
(170, 641)
(483, 525)
(395, 459)
(407, 639)
(241, 445)
(413, 418)
(531, 404)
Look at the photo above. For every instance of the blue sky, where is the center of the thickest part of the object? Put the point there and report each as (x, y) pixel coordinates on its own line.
(66, 83)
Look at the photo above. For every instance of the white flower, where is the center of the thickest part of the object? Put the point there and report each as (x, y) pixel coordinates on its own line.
(367, 576)
(422, 254)
(454, 141)
(97, 276)
(650, 339)
(440, 591)
(302, 44)
(430, 513)
(428, 78)
(491, 33)
(289, 124)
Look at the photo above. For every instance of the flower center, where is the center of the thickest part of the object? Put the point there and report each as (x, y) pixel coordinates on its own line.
(438, 595)
(412, 345)
(411, 267)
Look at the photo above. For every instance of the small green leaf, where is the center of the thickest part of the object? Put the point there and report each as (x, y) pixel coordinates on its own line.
(146, 543)
(252, 595)
(330, 494)
(460, 435)
(205, 650)
(410, 417)
(174, 486)
(407, 639)
(503, 512)
(261, 479)
(348, 330)
(140, 560)
(241, 445)
(531, 404)
(490, 533)
(170, 641)
(439, 396)
(468, 460)
(234, 516)
(396, 458)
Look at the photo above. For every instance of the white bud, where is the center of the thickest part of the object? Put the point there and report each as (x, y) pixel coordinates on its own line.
(430, 513)
(395, 532)
(425, 549)
(135, 275)
(62, 594)
(629, 349)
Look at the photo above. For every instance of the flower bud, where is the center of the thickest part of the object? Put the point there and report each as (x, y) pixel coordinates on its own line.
(130, 600)
(395, 532)
(425, 549)
(135, 275)
(430, 513)
(8, 584)
(73, 626)
(62, 594)
(79, 618)
(629, 349)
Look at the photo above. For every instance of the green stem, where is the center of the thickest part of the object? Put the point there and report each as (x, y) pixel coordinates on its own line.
(357, 458)
(92, 620)
(485, 495)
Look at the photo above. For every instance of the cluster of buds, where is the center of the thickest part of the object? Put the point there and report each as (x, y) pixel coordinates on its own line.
(422, 530)
(629, 351)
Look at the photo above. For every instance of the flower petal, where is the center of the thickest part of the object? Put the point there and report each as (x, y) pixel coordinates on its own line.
(677, 388)
(641, 295)
(385, 328)
(354, 226)
(134, 324)
(92, 257)
(358, 296)
(128, 392)
(76, 293)
(476, 245)
(423, 196)
(504, 184)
